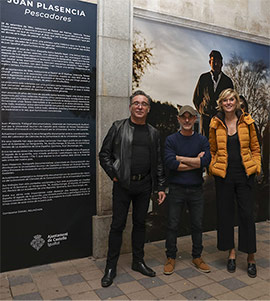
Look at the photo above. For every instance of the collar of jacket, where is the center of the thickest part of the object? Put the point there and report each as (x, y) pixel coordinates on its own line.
(220, 118)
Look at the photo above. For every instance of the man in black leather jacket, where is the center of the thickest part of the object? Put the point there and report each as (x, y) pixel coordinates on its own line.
(131, 157)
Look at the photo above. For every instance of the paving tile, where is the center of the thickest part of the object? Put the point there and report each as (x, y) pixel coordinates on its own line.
(95, 283)
(232, 283)
(263, 262)
(248, 293)
(210, 249)
(64, 298)
(43, 274)
(6, 296)
(261, 231)
(53, 293)
(229, 296)
(84, 264)
(71, 279)
(207, 236)
(136, 275)
(141, 295)
(85, 296)
(23, 289)
(184, 255)
(244, 278)
(201, 280)
(17, 280)
(40, 268)
(109, 292)
(266, 297)
(196, 294)
(267, 241)
(182, 285)
(263, 287)
(178, 296)
(20, 272)
(218, 275)
(130, 287)
(122, 297)
(263, 273)
(47, 282)
(170, 278)
(101, 264)
(152, 262)
(150, 282)
(4, 282)
(219, 264)
(159, 270)
(77, 288)
(160, 244)
(188, 272)
(215, 289)
(62, 270)
(163, 291)
(31, 296)
(91, 275)
(122, 278)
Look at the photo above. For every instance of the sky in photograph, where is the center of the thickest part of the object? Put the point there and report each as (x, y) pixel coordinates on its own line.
(181, 55)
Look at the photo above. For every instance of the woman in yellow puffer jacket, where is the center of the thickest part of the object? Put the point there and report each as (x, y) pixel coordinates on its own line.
(235, 160)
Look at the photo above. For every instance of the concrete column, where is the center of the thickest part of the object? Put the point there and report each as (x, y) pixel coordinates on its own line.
(114, 85)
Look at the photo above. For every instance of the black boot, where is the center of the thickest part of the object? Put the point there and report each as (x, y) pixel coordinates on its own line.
(141, 267)
(107, 279)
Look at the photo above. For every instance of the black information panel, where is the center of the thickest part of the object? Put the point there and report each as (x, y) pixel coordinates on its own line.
(48, 57)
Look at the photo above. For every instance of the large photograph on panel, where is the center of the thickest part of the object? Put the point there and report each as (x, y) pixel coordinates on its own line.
(167, 63)
(48, 67)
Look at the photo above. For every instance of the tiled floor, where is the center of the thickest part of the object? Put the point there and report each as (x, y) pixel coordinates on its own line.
(80, 279)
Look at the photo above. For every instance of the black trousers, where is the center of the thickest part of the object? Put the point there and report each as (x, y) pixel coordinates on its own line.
(226, 192)
(139, 193)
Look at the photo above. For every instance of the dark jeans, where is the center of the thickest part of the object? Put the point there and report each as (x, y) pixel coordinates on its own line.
(177, 197)
(139, 193)
(226, 191)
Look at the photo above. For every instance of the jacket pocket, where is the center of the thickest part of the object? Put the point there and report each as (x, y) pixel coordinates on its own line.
(116, 168)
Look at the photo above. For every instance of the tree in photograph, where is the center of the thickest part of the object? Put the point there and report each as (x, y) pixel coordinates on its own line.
(251, 79)
(142, 58)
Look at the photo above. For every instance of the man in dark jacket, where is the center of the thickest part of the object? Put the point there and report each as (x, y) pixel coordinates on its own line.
(186, 154)
(209, 86)
(130, 155)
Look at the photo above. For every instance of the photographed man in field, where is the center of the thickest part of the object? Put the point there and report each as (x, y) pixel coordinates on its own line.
(209, 86)
(186, 154)
(131, 157)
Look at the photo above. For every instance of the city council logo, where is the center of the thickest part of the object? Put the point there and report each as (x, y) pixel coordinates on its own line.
(37, 242)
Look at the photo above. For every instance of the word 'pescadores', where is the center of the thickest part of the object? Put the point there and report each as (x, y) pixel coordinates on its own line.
(46, 15)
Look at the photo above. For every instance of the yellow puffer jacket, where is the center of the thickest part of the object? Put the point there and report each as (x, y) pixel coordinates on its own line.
(249, 145)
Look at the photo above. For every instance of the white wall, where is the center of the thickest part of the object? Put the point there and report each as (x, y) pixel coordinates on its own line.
(248, 16)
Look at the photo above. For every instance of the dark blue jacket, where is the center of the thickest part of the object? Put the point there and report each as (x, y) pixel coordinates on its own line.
(187, 146)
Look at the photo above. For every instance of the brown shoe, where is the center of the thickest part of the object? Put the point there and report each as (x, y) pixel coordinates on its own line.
(201, 265)
(169, 266)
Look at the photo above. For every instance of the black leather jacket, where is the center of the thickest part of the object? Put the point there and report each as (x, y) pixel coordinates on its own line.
(115, 154)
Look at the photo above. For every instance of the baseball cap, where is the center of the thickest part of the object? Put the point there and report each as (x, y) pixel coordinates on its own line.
(188, 109)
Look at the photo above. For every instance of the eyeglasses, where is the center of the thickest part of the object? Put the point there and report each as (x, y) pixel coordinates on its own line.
(137, 104)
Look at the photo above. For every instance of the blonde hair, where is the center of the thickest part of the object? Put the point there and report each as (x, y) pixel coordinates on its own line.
(228, 93)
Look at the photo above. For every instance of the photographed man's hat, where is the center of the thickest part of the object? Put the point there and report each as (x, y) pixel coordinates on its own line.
(188, 109)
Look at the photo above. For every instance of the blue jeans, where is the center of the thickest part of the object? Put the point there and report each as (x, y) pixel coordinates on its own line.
(193, 196)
